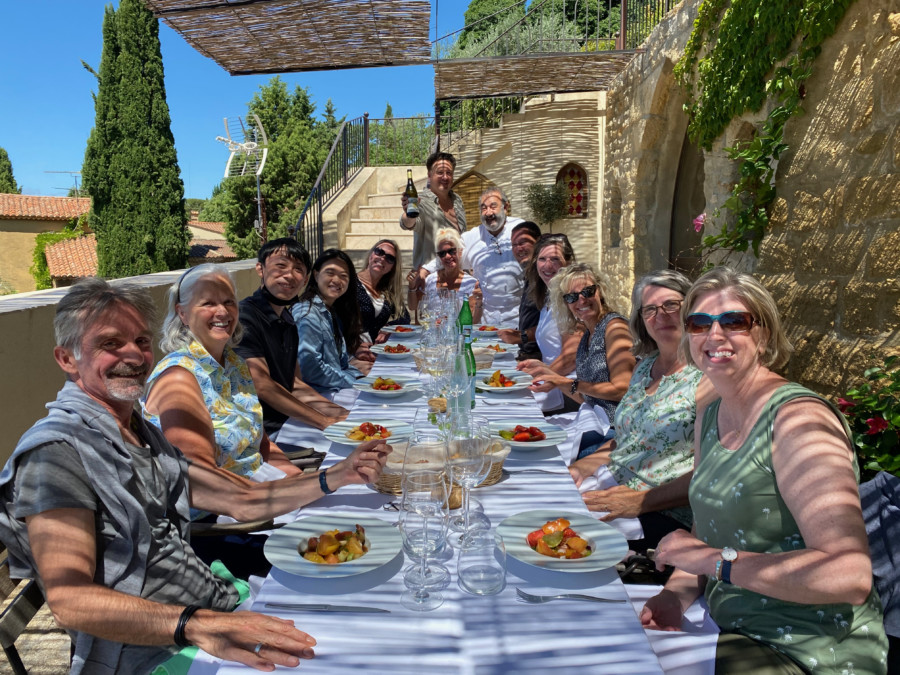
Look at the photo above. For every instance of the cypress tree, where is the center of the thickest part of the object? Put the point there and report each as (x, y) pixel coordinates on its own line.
(130, 167)
(7, 180)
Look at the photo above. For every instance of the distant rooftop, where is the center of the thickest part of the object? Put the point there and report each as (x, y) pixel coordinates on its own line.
(31, 207)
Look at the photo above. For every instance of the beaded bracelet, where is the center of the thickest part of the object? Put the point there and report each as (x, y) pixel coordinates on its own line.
(179, 637)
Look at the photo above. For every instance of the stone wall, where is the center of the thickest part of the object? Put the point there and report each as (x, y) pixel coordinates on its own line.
(832, 259)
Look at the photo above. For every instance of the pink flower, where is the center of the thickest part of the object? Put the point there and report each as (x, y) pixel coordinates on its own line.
(844, 405)
(698, 222)
(876, 425)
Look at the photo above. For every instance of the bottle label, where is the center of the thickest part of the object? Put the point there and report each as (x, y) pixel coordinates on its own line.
(412, 208)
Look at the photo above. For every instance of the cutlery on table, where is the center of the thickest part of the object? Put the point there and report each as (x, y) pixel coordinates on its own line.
(538, 599)
(327, 608)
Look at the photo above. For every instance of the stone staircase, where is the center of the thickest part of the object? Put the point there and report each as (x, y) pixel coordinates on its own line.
(376, 219)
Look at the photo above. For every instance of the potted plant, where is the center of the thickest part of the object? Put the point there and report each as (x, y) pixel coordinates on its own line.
(547, 203)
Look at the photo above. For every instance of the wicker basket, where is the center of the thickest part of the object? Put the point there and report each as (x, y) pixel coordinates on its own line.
(499, 452)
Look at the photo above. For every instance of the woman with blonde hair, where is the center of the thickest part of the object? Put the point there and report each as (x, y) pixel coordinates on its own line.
(379, 290)
(449, 275)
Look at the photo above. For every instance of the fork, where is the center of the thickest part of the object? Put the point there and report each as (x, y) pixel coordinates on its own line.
(538, 599)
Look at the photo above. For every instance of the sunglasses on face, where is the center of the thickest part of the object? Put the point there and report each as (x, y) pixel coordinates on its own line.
(381, 253)
(446, 252)
(729, 322)
(668, 307)
(586, 292)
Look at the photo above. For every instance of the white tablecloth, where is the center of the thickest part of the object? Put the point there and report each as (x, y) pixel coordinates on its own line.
(467, 634)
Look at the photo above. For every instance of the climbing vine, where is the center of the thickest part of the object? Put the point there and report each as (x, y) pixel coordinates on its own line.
(741, 54)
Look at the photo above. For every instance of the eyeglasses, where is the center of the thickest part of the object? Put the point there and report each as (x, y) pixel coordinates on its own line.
(730, 322)
(586, 292)
(446, 252)
(668, 307)
(381, 253)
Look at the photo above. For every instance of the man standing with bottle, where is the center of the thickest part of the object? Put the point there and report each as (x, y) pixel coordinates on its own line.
(438, 207)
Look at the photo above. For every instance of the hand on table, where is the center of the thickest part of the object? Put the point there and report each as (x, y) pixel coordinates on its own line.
(364, 353)
(364, 465)
(620, 501)
(381, 338)
(576, 474)
(663, 612)
(510, 336)
(234, 636)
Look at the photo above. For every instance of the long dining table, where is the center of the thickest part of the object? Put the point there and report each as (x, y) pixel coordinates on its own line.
(467, 633)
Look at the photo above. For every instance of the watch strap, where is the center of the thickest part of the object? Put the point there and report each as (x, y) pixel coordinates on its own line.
(726, 571)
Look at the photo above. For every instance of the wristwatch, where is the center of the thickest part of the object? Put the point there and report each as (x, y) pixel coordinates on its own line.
(723, 571)
(574, 388)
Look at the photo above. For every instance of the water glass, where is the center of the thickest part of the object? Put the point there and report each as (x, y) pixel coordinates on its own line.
(482, 563)
(423, 527)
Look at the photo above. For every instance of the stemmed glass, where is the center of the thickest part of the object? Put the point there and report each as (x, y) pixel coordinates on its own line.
(423, 526)
(470, 463)
(456, 382)
(427, 452)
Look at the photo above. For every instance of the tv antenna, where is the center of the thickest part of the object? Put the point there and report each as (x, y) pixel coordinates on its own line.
(249, 146)
(74, 175)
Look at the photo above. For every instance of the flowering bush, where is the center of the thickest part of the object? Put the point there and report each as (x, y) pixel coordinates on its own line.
(873, 412)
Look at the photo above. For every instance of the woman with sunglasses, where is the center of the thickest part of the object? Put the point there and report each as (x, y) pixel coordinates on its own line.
(652, 454)
(779, 545)
(449, 275)
(379, 291)
(329, 325)
(558, 347)
(604, 362)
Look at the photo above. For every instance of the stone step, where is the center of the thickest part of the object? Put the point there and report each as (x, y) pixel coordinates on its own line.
(382, 227)
(385, 199)
(363, 241)
(380, 212)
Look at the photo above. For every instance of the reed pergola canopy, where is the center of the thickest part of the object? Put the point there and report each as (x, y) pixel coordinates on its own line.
(278, 36)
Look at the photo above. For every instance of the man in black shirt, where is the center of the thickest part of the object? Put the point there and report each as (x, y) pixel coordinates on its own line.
(270, 340)
(524, 236)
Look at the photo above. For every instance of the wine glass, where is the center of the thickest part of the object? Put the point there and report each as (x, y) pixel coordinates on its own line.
(470, 463)
(423, 527)
(427, 452)
(457, 382)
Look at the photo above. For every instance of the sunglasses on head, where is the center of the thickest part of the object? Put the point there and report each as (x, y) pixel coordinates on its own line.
(381, 253)
(729, 322)
(446, 252)
(586, 292)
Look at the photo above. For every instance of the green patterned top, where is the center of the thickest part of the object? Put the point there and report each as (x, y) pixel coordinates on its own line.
(737, 503)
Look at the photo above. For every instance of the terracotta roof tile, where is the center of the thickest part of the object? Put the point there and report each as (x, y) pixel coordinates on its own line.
(31, 207)
(76, 258)
(218, 228)
(72, 258)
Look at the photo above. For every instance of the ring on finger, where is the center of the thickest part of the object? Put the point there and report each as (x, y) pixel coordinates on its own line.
(259, 645)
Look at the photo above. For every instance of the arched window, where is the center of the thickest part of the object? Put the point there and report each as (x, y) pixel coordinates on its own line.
(574, 178)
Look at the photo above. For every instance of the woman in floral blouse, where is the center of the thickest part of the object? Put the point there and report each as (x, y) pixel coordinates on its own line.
(652, 454)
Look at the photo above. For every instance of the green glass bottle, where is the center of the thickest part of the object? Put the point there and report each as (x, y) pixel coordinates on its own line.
(470, 361)
(465, 316)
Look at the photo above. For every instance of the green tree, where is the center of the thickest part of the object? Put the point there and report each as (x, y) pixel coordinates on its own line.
(482, 15)
(298, 146)
(7, 180)
(130, 167)
(39, 269)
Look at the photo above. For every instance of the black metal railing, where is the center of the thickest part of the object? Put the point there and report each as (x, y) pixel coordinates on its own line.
(642, 16)
(360, 142)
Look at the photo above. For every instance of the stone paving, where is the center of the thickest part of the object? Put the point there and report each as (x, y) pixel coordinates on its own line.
(44, 648)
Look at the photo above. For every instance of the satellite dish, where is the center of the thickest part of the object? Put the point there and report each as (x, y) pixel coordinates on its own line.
(248, 144)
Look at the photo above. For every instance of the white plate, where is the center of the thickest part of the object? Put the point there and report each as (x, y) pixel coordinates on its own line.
(281, 548)
(379, 351)
(392, 330)
(523, 380)
(509, 350)
(555, 435)
(607, 543)
(337, 433)
(408, 383)
(484, 333)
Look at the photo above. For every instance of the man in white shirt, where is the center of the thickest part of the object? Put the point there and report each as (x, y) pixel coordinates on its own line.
(489, 255)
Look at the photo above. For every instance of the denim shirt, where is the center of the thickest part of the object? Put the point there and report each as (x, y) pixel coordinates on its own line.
(323, 366)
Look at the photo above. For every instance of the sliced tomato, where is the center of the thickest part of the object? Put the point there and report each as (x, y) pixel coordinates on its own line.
(522, 437)
(367, 428)
(534, 537)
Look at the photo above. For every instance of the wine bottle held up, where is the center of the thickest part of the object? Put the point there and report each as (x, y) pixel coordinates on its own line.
(412, 195)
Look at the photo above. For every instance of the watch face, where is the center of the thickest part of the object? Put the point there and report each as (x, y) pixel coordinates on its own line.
(729, 554)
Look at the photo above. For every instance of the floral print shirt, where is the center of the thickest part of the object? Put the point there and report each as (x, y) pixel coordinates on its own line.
(232, 402)
(655, 432)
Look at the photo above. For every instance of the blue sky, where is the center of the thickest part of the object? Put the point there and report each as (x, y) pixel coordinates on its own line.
(47, 112)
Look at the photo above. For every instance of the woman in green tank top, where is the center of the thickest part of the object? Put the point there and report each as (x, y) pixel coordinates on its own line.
(779, 546)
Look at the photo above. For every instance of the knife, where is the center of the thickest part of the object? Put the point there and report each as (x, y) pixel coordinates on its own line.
(328, 608)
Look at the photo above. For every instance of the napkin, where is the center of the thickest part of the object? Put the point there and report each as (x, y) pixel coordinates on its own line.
(603, 480)
(587, 418)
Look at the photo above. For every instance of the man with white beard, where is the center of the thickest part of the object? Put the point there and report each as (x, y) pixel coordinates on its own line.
(489, 255)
